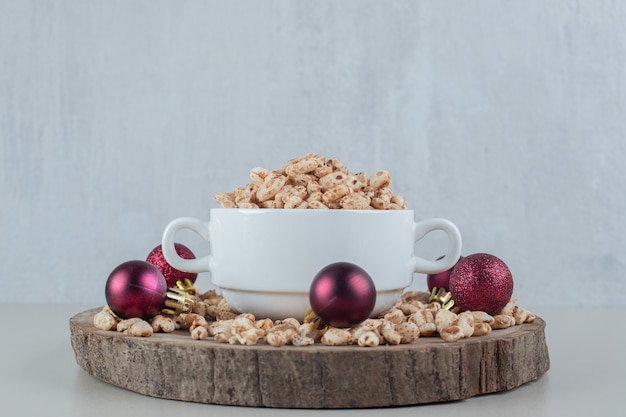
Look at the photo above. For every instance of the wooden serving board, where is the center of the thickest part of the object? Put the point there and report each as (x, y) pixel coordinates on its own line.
(174, 366)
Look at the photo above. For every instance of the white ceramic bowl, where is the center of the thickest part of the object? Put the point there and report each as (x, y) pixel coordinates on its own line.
(264, 260)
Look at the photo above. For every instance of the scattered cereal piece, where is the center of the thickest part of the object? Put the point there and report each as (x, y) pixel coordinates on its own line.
(199, 333)
(369, 339)
(163, 324)
(481, 329)
(482, 317)
(502, 321)
(465, 321)
(444, 319)
(394, 316)
(520, 314)
(408, 331)
(451, 334)
(124, 325)
(507, 310)
(391, 335)
(336, 337)
(105, 319)
(135, 327)
(425, 321)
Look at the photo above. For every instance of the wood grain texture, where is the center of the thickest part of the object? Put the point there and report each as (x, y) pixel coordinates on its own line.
(174, 366)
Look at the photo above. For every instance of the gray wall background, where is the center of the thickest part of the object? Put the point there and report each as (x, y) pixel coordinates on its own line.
(507, 117)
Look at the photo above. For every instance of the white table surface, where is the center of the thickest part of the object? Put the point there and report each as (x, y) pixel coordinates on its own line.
(40, 376)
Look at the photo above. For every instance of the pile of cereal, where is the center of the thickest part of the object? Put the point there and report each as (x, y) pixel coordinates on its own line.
(314, 182)
(413, 316)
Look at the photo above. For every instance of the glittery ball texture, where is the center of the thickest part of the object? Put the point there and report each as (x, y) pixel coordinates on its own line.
(481, 282)
(170, 273)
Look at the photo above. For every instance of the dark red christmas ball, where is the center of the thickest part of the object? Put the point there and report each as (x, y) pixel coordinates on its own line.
(170, 273)
(481, 282)
(136, 289)
(342, 294)
(440, 279)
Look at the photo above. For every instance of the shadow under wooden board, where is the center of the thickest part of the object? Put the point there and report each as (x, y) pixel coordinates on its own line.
(174, 366)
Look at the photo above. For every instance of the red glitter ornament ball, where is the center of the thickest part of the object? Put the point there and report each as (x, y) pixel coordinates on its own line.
(342, 294)
(135, 289)
(170, 273)
(440, 279)
(481, 282)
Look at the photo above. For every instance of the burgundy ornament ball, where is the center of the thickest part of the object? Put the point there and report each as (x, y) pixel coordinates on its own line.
(440, 279)
(481, 282)
(136, 289)
(171, 274)
(342, 294)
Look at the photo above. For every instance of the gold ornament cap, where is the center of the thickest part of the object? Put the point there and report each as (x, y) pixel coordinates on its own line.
(441, 296)
(177, 301)
(311, 317)
(187, 286)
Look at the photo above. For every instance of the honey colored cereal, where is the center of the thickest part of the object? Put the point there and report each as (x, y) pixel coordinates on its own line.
(314, 182)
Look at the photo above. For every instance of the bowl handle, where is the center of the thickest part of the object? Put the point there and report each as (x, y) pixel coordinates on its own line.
(453, 252)
(202, 264)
